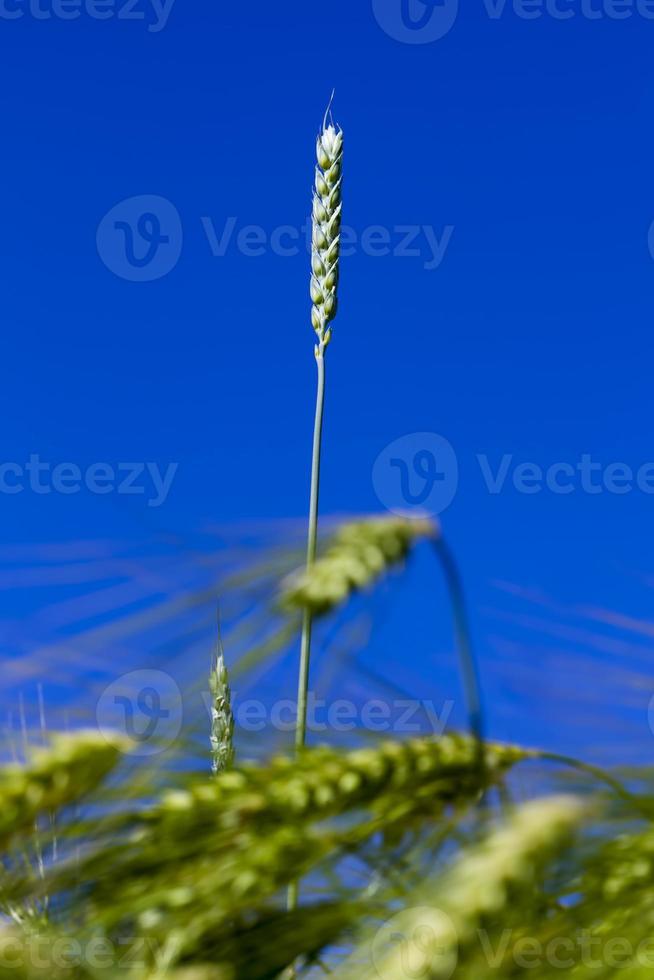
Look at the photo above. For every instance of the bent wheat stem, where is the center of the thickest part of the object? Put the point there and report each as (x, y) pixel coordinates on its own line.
(467, 660)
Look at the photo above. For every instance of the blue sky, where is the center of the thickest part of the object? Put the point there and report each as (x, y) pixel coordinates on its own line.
(520, 145)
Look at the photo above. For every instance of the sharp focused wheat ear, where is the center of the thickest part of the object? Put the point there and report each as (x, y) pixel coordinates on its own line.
(222, 718)
(326, 234)
(325, 247)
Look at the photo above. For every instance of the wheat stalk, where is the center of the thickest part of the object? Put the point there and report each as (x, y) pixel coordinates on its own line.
(325, 246)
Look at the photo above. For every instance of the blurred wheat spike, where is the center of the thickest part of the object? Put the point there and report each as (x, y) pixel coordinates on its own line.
(194, 874)
(325, 782)
(69, 768)
(500, 872)
(217, 848)
(359, 552)
(325, 242)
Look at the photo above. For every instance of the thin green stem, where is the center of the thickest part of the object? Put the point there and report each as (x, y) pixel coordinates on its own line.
(312, 538)
(307, 619)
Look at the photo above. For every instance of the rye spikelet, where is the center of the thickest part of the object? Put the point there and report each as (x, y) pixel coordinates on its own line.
(325, 239)
(222, 718)
(358, 554)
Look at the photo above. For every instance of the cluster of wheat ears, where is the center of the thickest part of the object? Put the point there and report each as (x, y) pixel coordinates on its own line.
(415, 859)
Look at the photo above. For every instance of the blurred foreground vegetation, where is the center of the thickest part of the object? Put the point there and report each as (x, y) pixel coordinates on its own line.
(417, 858)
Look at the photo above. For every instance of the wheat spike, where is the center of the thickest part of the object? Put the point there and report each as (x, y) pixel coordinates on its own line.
(71, 765)
(481, 885)
(209, 851)
(326, 231)
(222, 718)
(358, 554)
(512, 855)
(324, 783)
